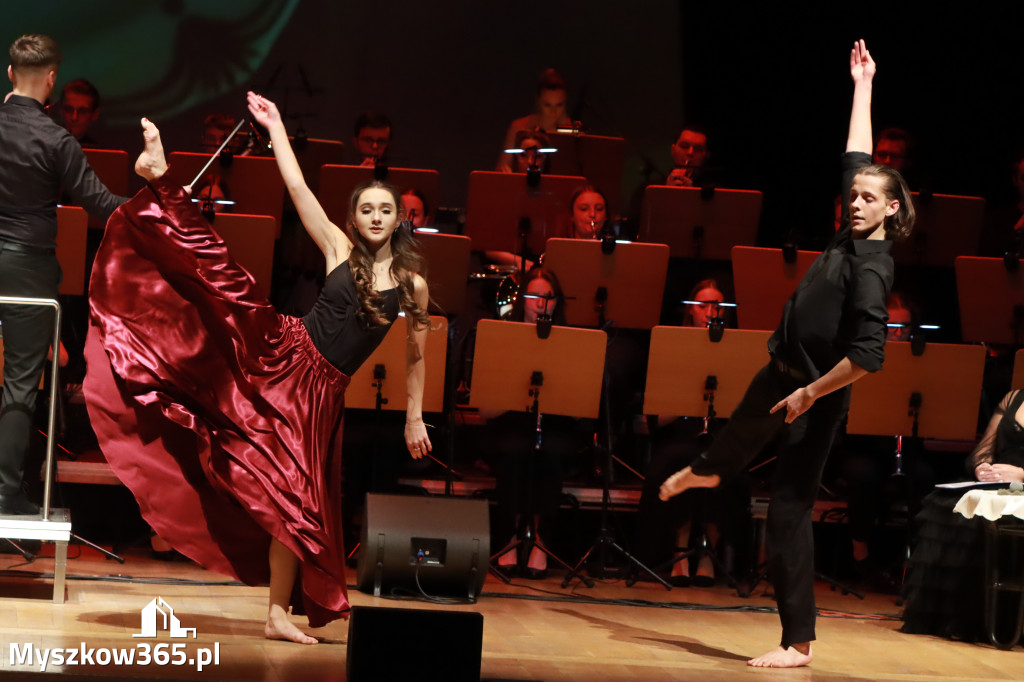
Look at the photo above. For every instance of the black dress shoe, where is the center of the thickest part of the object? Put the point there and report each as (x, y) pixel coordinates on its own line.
(18, 505)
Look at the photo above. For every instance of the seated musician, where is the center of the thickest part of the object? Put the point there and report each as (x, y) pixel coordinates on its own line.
(666, 528)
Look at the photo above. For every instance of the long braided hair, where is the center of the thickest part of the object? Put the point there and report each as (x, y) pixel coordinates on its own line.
(405, 263)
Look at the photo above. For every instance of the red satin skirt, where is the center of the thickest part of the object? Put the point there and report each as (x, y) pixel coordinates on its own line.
(218, 413)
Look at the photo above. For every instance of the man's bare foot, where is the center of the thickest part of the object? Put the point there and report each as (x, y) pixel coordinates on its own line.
(794, 657)
(280, 627)
(151, 163)
(682, 481)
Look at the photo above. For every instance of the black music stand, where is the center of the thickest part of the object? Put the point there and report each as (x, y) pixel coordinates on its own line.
(504, 213)
(764, 281)
(699, 223)
(621, 289)
(946, 227)
(598, 158)
(690, 375)
(931, 395)
(515, 370)
(338, 182)
(991, 301)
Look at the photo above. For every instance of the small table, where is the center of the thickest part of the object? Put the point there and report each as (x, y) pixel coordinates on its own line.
(1004, 512)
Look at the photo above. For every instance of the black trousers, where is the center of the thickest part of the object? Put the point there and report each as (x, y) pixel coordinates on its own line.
(27, 333)
(807, 442)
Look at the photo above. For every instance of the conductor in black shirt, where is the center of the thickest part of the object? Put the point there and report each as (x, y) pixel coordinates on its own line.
(831, 334)
(38, 158)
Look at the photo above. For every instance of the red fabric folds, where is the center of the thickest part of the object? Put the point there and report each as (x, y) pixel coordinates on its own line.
(218, 413)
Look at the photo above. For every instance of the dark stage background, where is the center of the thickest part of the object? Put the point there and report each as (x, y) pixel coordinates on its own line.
(769, 81)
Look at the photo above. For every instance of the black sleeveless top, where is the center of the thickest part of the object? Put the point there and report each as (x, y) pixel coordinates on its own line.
(334, 325)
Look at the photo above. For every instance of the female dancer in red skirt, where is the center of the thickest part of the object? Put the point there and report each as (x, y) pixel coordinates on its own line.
(224, 417)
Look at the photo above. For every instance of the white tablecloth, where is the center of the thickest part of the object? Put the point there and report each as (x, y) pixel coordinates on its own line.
(989, 504)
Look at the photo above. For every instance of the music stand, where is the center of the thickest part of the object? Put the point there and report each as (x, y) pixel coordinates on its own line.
(254, 182)
(313, 154)
(689, 375)
(991, 301)
(598, 158)
(72, 231)
(695, 225)
(623, 288)
(362, 392)
(947, 379)
(447, 258)
(514, 370)
(338, 182)
(501, 205)
(250, 241)
(764, 281)
(933, 395)
(947, 226)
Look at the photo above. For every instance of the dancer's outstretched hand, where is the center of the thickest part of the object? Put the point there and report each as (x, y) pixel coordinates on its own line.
(263, 110)
(416, 438)
(862, 66)
(796, 403)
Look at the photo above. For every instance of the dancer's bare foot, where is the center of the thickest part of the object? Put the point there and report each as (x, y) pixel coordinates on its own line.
(151, 163)
(794, 657)
(280, 627)
(682, 481)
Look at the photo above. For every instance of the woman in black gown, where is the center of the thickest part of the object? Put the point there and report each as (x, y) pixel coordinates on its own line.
(945, 578)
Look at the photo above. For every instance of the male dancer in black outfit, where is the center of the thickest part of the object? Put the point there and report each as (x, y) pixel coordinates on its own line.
(832, 333)
(38, 159)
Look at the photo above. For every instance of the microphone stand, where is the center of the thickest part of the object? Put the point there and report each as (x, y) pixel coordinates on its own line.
(527, 536)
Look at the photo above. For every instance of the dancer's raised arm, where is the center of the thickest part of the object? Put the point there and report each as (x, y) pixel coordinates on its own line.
(332, 240)
(862, 70)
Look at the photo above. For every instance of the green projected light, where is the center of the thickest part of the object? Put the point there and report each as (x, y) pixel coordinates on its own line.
(156, 57)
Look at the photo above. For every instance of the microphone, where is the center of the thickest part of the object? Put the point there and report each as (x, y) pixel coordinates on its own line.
(543, 326)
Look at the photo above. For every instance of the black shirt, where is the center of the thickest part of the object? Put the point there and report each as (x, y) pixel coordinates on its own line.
(37, 159)
(838, 309)
(334, 325)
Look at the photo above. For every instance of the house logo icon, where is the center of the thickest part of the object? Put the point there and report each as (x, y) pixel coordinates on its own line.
(170, 621)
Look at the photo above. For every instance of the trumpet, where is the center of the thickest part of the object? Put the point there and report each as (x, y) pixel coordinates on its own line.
(505, 298)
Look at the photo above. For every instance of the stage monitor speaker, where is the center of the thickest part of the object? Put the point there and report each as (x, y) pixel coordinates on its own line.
(414, 644)
(436, 545)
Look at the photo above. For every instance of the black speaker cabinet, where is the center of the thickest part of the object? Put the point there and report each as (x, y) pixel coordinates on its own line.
(414, 644)
(439, 545)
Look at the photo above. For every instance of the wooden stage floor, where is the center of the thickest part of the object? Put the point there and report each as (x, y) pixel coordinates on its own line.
(685, 634)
